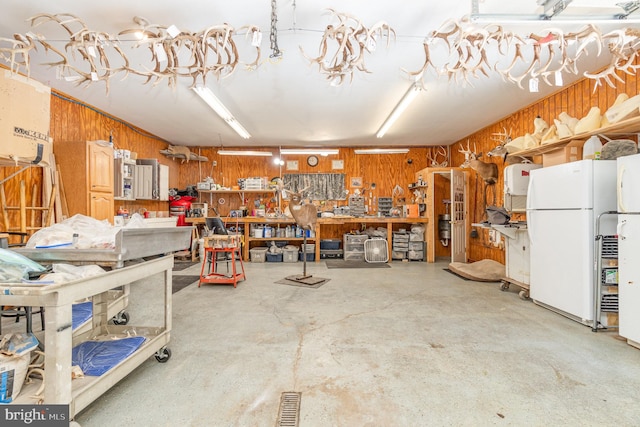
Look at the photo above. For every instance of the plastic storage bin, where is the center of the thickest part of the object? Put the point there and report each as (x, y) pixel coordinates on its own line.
(354, 256)
(311, 256)
(258, 254)
(330, 244)
(274, 257)
(290, 255)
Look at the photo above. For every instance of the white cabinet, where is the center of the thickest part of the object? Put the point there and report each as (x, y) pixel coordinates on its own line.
(143, 179)
(517, 251)
(123, 177)
(163, 183)
(151, 180)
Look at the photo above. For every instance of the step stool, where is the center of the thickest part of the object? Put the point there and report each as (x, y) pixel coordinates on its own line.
(213, 256)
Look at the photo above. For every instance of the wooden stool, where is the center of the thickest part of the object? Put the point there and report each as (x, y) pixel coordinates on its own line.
(209, 274)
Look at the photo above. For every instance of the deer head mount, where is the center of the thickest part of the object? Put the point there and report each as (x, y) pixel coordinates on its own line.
(305, 214)
(502, 138)
(487, 171)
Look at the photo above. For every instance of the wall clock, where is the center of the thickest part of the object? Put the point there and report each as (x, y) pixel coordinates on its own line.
(312, 161)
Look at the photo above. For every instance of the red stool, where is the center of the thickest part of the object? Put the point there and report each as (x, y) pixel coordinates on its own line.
(214, 256)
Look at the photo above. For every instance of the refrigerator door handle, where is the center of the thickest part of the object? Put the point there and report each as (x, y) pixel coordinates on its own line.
(621, 172)
(529, 193)
(621, 224)
(530, 226)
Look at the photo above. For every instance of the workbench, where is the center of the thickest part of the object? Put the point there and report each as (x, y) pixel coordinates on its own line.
(387, 222)
(57, 299)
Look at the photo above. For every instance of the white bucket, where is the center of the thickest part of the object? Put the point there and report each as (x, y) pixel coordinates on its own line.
(258, 232)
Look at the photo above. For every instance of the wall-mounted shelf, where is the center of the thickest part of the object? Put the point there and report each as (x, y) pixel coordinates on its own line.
(192, 157)
(240, 193)
(624, 127)
(237, 191)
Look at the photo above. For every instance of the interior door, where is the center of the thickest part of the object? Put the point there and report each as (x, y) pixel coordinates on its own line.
(458, 217)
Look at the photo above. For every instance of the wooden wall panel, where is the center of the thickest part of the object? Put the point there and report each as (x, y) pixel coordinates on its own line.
(71, 120)
(576, 99)
(386, 171)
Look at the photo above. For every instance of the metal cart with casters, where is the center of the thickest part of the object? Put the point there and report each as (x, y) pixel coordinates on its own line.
(59, 340)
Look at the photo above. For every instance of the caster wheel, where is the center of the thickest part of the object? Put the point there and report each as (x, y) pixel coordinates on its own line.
(121, 318)
(524, 295)
(163, 355)
(504, 286)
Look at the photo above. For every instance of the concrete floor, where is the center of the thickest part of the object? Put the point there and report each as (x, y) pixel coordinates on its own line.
(410, 345)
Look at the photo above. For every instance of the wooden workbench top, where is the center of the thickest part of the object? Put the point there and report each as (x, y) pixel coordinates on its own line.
(332, 220)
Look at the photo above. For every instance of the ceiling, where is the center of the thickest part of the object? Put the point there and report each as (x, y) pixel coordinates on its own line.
(286, 101)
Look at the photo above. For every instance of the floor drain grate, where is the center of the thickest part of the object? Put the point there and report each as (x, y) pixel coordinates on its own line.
(289, 413)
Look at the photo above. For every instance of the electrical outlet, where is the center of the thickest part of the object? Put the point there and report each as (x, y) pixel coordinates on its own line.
(214, 163)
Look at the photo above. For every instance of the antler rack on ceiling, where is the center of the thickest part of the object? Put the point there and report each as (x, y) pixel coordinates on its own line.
(547, 54)
(173, 54)
(459, 50)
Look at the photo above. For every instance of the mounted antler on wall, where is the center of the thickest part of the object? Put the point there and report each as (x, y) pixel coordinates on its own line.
(438, 158)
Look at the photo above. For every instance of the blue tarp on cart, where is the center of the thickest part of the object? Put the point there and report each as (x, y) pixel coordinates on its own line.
(97, 357)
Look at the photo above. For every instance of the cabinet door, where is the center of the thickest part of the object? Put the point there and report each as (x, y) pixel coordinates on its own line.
(163, 185)
(143, 188)
(101, 205)
(100, 167)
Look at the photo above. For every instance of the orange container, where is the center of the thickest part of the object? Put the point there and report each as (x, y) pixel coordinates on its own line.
(411, 211)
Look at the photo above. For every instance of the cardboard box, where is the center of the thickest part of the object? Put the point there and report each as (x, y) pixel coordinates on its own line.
(570, 153)
(24, 121)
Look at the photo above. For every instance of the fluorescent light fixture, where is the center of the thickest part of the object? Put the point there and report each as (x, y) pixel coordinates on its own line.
(319, 152)
(413, 91)
(381, 151)
(483, 18)
(569, 11)
(217, 106)
(245, 153)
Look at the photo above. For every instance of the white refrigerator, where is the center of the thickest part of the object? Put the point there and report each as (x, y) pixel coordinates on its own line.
(629, 247)
(563, 203)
